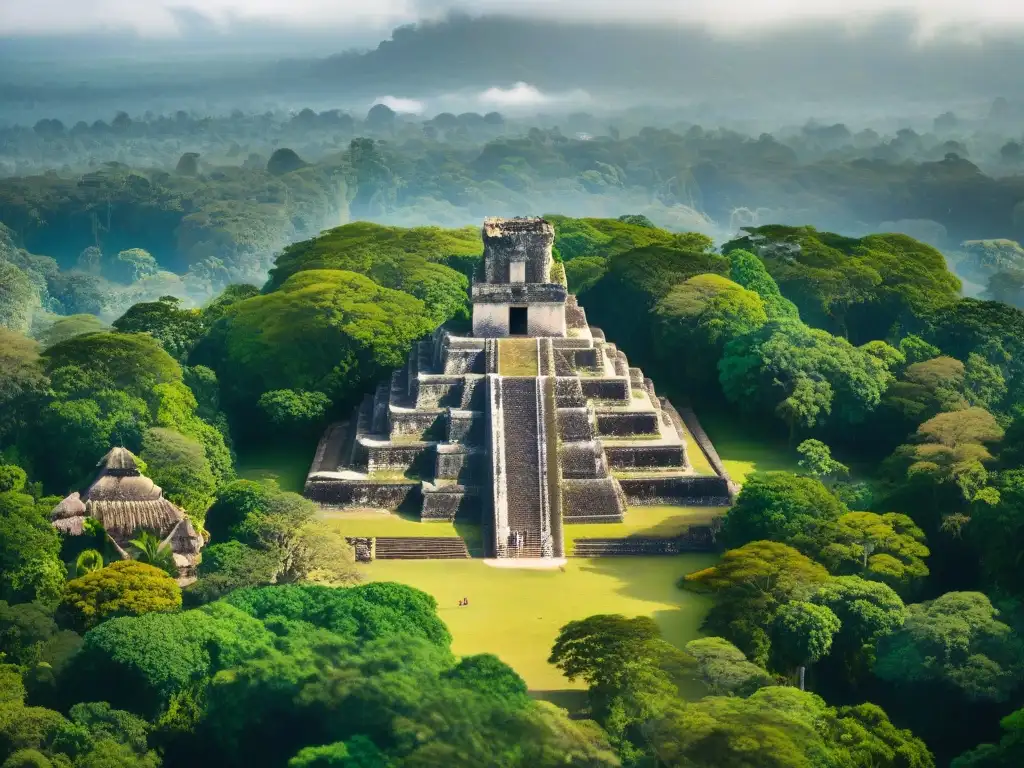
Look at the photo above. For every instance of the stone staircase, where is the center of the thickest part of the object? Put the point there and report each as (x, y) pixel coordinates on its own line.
(420, 548)
(697, 539)
(522, 461)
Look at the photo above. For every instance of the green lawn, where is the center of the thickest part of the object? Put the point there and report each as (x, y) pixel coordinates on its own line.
(745, 450)
(287, 465)
(516, 613)
(696, 456)
(657, 521)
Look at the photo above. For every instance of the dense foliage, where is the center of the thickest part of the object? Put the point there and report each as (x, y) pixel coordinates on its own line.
(885, 580)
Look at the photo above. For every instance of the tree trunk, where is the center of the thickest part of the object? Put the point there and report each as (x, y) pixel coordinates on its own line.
(803, 670)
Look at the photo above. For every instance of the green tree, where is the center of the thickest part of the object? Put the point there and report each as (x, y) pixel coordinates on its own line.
(64, 328)
(488, 675)
(294, 410)
(88, 560)
(583, 273)
(306, 549)
(860, 287)
(359, 752)
(415, 260)
(709, 309)
(124, 588)
(179, 466)
(229, 566)
(748, 270)
(133, 362)
(783, 727)
(917, 350)
(12, 478)
(600, 649)
(802, 634)
(780, 506)
(1009, 751)
(723, 669)
(816, 460)
(22, 383)
(629, 669)
(867, 611)
(142, 662)
(323, 330)
(951, 450)
(178, 330)
(18, 298)
(888, 548)
(997, 531)
(30, 565)
(956, 640)
(811, 376)
(130, 266)
(232, 504)
(700, 315)
(24, 630)
(751, 584)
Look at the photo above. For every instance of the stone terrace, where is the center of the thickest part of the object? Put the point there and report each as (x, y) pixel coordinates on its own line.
(525, 434)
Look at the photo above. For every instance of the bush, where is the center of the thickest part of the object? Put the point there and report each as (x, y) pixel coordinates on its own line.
(124, 588)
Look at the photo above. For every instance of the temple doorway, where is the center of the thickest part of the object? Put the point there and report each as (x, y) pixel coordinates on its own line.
(517, 325)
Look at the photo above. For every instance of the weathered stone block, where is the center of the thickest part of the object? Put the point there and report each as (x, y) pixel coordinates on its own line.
(640, 456)
(606, 388)
(624, 423)
(574, 424)
(685, 491)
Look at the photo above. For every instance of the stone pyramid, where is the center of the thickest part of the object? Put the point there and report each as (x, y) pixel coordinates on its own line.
(532, 422)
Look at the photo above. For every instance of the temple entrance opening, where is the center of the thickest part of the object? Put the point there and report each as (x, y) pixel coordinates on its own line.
(517, 324)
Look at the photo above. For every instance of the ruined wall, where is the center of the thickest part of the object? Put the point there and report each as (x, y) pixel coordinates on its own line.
(523, 240)
(363, 494)
(490, 320)
(691, 491)
(545, 320)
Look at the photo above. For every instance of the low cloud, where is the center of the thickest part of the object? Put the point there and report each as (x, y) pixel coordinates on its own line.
(523, 95)
(402, 106)
(518, 99)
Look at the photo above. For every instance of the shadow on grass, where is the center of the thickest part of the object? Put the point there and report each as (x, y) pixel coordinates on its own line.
(472, 532)
(746, 447)
(286, 464)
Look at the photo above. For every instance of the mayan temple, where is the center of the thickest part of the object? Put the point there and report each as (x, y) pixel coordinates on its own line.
(533, 422)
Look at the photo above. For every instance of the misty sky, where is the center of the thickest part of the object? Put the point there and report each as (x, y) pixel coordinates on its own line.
(354, 19)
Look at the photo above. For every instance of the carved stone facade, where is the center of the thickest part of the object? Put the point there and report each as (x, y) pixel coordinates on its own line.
(526, 433)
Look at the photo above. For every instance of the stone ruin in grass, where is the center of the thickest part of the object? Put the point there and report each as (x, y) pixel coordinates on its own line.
(532, 422)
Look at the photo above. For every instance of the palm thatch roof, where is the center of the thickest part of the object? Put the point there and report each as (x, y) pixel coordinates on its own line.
(124, 502)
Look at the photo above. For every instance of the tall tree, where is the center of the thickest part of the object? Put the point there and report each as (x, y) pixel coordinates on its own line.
(802, 634)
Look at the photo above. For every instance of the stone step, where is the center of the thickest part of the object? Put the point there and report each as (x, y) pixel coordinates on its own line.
(689, 490)
(420, 548)
(574, 424)
(451, 502)
(697, 539)
(582, 460)
(522, 475)
(624, 423)
(598, 500)
(645, 454)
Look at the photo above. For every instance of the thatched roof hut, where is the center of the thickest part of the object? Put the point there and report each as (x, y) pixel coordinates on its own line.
(124, 502)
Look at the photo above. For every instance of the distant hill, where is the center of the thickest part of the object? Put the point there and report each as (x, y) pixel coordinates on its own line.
(877, 61)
